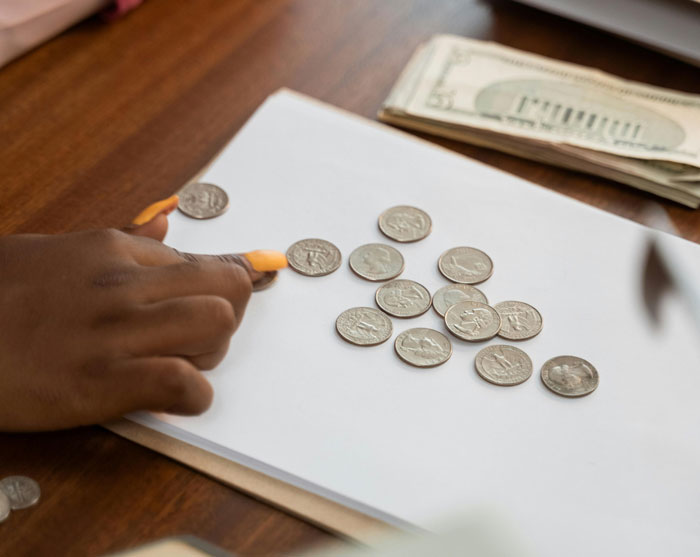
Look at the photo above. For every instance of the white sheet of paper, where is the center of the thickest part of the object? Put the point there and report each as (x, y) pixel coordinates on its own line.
(615, 472)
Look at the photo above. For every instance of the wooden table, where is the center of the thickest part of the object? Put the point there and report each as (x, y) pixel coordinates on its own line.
(105, 119)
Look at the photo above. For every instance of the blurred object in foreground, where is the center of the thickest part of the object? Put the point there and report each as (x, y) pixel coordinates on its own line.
(483, 533)
(25, 24)
(181, 546)
(553, 112)
(670, 26)
(664, 271)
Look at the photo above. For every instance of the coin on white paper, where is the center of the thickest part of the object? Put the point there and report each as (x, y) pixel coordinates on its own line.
(519, 321)
(405, 224)
(200, 200)
(449, 295)
(313, 257)
(569, 376)
(472, 321)
(376, 262)
(22, 492)
(364, 326)
(505, 365)
(403, 298)
(422, 347)
(465, 265)
(5, 507)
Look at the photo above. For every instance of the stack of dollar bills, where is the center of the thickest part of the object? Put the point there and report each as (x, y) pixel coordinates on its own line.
(554, 112)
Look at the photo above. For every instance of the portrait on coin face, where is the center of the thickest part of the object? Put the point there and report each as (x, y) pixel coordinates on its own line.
(473, 320)
(453, 297)
(377, 261)
(569, 376)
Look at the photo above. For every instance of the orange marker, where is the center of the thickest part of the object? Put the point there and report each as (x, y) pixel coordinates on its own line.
(165, 206)
(266, 260)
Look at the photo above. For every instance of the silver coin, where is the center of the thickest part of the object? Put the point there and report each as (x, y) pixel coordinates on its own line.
(472, 321)
(405, 224)
(519, 321)
(569, 376)
(449, 295)
(200, 200)
(22, 492)
(403, 298)
(376, 262)
(313, 257)
(501, 364)
(5, 507)
(423, 347)
(364, 326)
(266, 281)
(465, 265)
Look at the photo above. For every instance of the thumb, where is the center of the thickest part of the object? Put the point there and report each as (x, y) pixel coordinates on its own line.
(152, 222)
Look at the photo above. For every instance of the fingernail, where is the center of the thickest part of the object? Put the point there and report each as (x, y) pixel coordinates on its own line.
(165, 206)
(266, 260)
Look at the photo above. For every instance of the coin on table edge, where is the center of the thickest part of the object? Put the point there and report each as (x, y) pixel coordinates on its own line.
(422, 231)
(191, 205)
(384, 291)
(332, 261)
(345, 329)
(444, 345)
(5, 507)
(509, 334)
(456, 325)
(455, 276)
(439, 304)
(22, 492)
(391, 267)
(550, 367)
(491, 377)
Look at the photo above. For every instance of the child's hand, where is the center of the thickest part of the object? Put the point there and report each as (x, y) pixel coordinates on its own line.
(97, 324)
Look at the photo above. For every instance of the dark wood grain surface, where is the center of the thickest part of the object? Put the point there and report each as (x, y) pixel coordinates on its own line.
(105, 119)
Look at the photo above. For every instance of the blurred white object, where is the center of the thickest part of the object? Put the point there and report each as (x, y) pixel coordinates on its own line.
(482, 533)
(25, 24)
(671, 26)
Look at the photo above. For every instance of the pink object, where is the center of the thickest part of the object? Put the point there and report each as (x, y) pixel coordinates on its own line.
(119, 8)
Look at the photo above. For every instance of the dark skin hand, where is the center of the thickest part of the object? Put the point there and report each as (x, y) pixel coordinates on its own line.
(97, 324)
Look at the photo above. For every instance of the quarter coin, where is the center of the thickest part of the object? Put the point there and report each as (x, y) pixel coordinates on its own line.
(449, 295)
(403, 298)
(376, 262)
(519, 321)
(364, 326)
(405, 224)
(472, 321)
(5, 507)
(22, 492)
(465, 265)
(200, 200)
(569, 376)
(313, 257)
(423, 347)
(501, 364)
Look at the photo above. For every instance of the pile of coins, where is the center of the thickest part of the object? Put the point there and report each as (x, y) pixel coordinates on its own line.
(464, 308)
(17, 492)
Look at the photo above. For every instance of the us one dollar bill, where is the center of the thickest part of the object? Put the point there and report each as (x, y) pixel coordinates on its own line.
(553, 112)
